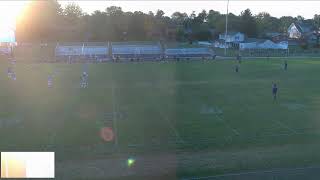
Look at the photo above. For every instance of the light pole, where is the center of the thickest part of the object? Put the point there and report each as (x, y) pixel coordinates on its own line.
(225, 37)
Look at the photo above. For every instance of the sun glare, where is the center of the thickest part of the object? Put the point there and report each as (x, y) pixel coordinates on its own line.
(9, 11)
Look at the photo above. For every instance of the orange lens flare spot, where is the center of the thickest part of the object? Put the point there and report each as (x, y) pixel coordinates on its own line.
(107, 134)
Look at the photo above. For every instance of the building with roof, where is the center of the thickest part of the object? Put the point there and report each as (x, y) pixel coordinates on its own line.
(276, 36)
(303, 32)
(253, 43)
(232, 37)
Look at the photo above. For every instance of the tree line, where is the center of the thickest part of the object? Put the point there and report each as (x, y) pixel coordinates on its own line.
(47, 21)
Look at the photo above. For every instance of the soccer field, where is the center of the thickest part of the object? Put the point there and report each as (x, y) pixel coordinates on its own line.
(213, 119)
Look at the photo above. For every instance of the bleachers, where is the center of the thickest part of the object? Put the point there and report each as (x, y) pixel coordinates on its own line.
(188, 53)
(82, 51)
(143, 51)
(5, 50)
(104, 51)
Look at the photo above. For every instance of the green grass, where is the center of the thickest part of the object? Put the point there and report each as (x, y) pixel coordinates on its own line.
(168, 107)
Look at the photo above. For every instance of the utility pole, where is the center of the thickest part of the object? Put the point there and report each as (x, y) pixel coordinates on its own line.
(225, 37)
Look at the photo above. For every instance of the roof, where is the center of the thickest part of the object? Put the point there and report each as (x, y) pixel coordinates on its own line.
(231, 33)
(304, 27)
(273, 34)
(251, 40)
(264, 44)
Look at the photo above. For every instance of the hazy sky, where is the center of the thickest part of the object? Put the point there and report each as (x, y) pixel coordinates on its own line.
(274, 7)
(9, 10)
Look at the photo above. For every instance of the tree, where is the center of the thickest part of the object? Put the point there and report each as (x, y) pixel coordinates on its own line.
(98, 19)
(316, 23)
(266, 23)
(179, 18)
(316, 20)
(180, 34)
(300, 18)
(47, 21)
(117, 22)
(248, 23)
(72, 12)
(114, 11)
(201, 18)
(150, 13)
(213, 18)
(137, 30)
(159, 14)
(284, 23)
(40, 21)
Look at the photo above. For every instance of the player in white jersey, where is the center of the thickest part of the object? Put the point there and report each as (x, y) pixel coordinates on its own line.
(69, 60)
(50, 81)
(84, 80)
(13, 61)
(13, 76)
(9, 72)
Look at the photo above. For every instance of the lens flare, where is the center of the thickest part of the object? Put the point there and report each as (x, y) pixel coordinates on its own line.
(107, 134)
(130, 162)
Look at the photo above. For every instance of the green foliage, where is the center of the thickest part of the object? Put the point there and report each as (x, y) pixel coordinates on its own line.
(248, 24)
(46, 21)
(72, 12)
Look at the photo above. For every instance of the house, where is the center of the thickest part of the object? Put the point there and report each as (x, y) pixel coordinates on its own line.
(303, 32)
(276, 37)
(252, 43)
(232, 37)
(221, 44)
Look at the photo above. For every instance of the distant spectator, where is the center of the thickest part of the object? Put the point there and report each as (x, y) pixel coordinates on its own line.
(274, 91)
(285, 65)
(239, 58)
(237, 68)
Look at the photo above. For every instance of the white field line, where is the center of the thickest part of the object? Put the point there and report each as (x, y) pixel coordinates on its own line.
(228, 126)
(209, 140)
(171, 126)
(114, 118)
(279, 123)
(253, 173)
(173, 129)
(285, 126)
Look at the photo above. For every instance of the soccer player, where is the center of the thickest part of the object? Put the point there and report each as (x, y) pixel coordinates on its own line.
(274, 91)
(13, 76)
(13, 61)
(84, 80)
(285, 65)
(237, 68)
(50, 79)
(69, 60)
(9, 72)
(239, 58)
(214, 57)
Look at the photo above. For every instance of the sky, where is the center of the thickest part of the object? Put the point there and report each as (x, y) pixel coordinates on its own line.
(9, 10)
(276, 8)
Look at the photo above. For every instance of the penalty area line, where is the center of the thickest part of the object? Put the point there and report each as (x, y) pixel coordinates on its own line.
(285, 126)
(228, 126)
